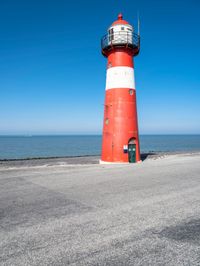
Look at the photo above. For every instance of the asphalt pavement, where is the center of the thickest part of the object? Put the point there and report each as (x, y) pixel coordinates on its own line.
(90, 214)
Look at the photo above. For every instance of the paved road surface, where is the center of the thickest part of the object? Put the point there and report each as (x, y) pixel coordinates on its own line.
(144, 214)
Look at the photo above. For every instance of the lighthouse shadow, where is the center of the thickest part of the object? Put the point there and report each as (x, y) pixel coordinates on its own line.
(148, 155)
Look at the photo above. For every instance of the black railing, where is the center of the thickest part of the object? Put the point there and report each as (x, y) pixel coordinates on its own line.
(120, 38)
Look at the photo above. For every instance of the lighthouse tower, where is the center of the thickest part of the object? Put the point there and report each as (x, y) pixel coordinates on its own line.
(120, 143)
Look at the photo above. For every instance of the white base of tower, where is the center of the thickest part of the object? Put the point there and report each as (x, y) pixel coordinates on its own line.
(104, 162)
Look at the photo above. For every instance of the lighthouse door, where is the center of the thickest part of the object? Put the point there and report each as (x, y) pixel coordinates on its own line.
(131, 153)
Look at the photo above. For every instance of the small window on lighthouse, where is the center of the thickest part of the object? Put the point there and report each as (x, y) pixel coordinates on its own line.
(122, 28)
(106, 121)
(131, 92)
(111, 34)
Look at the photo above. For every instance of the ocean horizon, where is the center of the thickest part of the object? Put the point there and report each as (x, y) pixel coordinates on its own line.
(43, 146)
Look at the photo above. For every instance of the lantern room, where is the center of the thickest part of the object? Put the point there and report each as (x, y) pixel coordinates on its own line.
(120, 34)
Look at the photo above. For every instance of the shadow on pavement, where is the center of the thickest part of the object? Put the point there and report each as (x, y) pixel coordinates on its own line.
(144, 156)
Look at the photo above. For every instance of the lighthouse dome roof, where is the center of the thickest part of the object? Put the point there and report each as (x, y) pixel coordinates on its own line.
(120, 20)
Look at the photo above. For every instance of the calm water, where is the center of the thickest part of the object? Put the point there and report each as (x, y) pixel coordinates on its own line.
(58, 146)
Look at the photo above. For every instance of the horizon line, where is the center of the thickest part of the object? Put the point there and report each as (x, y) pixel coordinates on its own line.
(91, 134)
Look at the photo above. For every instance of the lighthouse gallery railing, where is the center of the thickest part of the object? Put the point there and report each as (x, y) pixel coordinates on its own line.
(120, 38)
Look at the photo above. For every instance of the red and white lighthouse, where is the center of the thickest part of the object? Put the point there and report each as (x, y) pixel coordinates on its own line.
(120, 143)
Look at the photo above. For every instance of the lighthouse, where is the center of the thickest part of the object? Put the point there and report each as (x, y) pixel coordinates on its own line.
(120, 141)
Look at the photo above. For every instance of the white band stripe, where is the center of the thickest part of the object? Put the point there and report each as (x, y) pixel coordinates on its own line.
(120, 77)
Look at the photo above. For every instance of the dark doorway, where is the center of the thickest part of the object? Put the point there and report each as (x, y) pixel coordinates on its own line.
(131, 151)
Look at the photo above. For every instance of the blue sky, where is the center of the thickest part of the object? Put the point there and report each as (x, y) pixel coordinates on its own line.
(52, 73)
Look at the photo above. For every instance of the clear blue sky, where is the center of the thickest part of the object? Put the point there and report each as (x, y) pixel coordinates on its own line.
(52, 73)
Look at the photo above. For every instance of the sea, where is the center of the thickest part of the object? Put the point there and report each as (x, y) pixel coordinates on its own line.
(23, 147)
